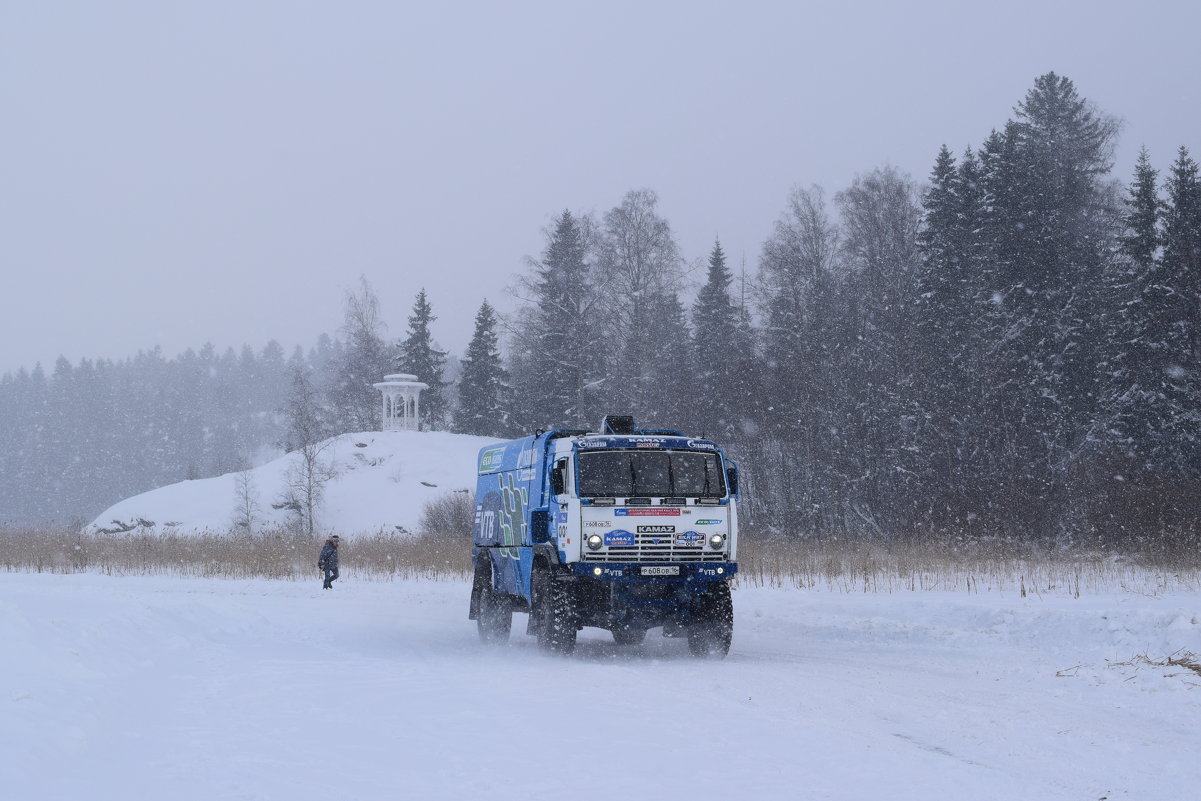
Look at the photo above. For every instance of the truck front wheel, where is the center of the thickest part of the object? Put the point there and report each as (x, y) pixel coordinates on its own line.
(554, 606)
(712, 626)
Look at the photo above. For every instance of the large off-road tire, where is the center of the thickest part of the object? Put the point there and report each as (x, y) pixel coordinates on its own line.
(495, 617)
(554, 608)
(712, 628)
(629, 636)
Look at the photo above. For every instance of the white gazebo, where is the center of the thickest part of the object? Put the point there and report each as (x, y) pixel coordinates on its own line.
(402, 408)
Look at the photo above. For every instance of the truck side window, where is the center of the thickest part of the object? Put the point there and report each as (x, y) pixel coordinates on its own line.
(558, 478)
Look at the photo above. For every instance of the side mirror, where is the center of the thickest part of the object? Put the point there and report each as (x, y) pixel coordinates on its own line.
(558, 477)
(732, 479)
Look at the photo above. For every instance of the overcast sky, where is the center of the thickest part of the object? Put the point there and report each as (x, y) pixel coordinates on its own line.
(179, 173)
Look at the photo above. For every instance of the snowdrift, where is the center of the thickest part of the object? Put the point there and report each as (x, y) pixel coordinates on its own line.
(382, 481)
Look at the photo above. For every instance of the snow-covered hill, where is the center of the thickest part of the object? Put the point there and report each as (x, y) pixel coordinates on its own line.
(383, 479)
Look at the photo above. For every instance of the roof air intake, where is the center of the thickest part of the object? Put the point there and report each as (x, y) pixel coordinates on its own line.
(618, 424)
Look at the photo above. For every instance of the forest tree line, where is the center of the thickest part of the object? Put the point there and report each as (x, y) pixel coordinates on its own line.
(1012, 349)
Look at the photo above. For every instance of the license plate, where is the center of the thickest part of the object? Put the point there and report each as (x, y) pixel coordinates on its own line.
(659, 570)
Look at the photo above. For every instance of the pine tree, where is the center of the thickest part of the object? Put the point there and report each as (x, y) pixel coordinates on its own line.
(1066, 148)
(943, 404)
(418, 356)
(559, 360)
(1141, 240)
(1047, 238)
(1152, 404)
(1182, 246)
(938, 238)
(714, 352)
(1181, 262)
(482, 391)
(665, 401)
(1138, 301)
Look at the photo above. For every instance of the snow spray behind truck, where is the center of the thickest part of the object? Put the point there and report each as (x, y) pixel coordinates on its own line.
(621, 529)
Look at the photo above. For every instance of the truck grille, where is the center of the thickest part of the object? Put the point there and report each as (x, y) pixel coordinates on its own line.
(654, 548)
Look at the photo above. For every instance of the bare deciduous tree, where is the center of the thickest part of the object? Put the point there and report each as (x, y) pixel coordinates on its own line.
(247, 512)
(640, 262)
(312, 466)
(366, 359)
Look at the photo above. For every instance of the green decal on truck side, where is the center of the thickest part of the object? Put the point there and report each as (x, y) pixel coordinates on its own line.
(491, 460)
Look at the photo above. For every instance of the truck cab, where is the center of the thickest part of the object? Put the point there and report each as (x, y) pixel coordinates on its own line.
(622, 529)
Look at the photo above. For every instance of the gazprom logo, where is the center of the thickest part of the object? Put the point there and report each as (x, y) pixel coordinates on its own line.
(492, 459)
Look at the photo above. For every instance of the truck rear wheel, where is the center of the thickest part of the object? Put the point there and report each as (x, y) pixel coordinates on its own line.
(712, 628)
(495, 618)
(554, 606)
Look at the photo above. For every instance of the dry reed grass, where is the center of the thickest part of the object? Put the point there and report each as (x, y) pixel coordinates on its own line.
(1180, 659)
(974, 567)
(846, 566)
(276, 554)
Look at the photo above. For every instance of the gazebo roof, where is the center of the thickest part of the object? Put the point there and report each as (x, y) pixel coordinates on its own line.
(401, 380)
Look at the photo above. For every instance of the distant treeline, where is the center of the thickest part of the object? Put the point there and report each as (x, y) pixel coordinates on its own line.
(1011, 350)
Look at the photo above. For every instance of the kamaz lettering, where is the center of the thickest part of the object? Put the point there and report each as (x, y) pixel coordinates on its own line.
(618, 538)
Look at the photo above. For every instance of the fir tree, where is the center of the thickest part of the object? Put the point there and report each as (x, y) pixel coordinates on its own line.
(715, 352)
(942, 404)
(1182, 272)
(1048, 234)
(938, 238)
(418, 356)
(560, 360)
(1141, 240)
(482, 392)
(664, 402)
(1182, 246)
(1152, 406)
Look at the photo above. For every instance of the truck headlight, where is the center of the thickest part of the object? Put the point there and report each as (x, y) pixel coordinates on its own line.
(595, 541)
(717, 541)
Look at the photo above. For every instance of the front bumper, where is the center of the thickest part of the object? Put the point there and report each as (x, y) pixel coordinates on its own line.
(655, 571)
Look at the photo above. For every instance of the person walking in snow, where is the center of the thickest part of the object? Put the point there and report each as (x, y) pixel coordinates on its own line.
(328, 561)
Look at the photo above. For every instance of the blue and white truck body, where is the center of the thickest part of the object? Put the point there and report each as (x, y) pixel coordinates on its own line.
(623, 529)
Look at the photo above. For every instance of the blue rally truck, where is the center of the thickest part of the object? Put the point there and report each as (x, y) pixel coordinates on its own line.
(621, 529)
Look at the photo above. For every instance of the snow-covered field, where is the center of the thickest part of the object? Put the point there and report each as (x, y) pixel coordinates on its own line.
(170, 688)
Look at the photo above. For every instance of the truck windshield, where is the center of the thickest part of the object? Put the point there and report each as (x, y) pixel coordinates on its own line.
(607, 474)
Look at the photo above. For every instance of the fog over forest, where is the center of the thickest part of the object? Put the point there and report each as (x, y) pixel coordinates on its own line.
(1007, 346)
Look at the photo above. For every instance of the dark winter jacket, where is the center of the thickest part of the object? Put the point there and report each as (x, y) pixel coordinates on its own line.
(329, 556)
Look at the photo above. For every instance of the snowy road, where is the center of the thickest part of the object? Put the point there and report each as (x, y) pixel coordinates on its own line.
(165, 688)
